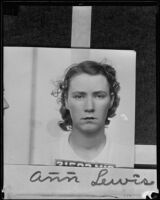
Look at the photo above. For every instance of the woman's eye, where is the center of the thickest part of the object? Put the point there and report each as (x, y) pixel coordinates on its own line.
(100, 96)
(78, 97)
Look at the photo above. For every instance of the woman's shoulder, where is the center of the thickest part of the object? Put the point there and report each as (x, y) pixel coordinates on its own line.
(56, 141)
(56, 148)
(43, 153)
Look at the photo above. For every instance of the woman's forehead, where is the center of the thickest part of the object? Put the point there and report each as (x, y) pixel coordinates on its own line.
(86, 81)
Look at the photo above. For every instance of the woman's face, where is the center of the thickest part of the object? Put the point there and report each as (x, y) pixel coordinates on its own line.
(88, 101)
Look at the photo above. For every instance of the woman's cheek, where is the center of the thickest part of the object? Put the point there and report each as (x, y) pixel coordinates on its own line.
(104, 109)
(75, 107)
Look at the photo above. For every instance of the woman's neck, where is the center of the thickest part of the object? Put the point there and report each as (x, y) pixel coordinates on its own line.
(86, 141)
(87, 147)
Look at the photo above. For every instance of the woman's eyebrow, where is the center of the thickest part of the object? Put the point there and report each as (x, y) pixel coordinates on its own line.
(78, 92)
(100, 92)
(95, 92)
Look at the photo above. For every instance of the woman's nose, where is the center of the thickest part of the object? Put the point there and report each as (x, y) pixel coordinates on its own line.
(89, 105)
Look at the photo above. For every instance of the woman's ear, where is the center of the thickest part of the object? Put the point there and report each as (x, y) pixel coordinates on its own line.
(112, 100)
(66, 103)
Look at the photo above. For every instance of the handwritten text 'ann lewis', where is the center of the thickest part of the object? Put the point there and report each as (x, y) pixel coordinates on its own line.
(101, 180)
(54, 176)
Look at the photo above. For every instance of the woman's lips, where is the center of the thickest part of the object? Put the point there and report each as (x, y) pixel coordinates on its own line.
(88, 118)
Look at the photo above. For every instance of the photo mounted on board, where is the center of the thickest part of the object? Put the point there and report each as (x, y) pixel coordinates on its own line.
(70, 107)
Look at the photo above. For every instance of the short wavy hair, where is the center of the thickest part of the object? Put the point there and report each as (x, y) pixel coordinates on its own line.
(91, 68)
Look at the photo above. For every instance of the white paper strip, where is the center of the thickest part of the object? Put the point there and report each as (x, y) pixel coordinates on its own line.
(81, 26)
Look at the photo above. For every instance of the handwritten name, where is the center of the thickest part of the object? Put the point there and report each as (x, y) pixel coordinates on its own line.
(53, 176)
(102, 180)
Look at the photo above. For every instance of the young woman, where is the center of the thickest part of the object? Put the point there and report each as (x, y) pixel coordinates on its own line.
(89, 97)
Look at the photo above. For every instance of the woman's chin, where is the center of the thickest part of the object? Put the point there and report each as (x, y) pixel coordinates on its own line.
(89, 128)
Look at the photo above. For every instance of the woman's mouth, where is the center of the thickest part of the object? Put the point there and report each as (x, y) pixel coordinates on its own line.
(88, 118)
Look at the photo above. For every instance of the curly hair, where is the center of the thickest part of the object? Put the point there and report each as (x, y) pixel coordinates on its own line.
(91, 68)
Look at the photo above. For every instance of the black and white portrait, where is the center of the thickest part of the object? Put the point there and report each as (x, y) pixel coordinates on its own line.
(69, 104)
(79, 101)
